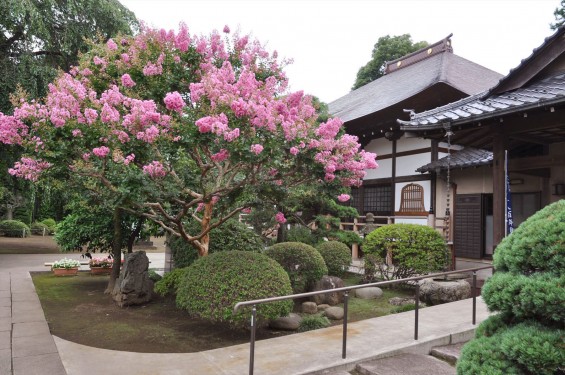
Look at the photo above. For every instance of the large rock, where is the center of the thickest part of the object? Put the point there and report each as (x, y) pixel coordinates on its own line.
(286, 323)
(370, 292)
(134, 287)
(328, 282)
(435, 292)
(334, 313)
(399, 301)
(309, 308)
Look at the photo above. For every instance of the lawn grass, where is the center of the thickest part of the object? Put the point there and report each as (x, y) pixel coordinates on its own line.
(77, 310)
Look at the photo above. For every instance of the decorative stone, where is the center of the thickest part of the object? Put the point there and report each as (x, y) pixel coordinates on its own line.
(134, 287)
(328, 282)
(334, 313)
(399, 301)
(323, 307)
(371, 292)
(309, 308)
(435, 292)
(286, 323)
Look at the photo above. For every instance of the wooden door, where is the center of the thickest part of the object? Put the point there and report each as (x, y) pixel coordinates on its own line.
(468, 234)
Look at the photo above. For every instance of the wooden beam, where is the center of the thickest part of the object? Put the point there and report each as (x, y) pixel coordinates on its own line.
(536, 162)
(498, 187)
(529, 139)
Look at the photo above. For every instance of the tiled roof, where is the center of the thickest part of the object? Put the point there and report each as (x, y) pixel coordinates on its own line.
(390, 89)
(465, 158)
(543, 92)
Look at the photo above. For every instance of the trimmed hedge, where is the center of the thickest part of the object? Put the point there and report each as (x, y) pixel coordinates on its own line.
(301, 234)
(169, 283)
(14, 228)
(39, 228)
(212, 286)
(231, 235)
(303, 263)
(336, 255)
(526, 336)
(415, 250)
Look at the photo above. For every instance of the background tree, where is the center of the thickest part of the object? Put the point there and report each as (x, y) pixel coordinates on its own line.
(387, 48)
(177, 128)
(37, 38)
(559, 14)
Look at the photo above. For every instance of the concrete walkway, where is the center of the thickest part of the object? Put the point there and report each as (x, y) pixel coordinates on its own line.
(27, 348)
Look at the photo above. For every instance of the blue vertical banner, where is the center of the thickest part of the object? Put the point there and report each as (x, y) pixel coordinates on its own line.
(508, 216)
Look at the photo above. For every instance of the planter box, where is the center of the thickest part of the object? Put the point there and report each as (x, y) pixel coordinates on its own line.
(100, 271)
(65, 271)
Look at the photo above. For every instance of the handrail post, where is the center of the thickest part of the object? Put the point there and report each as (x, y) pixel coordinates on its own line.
(344, 344)
(252, 343)
(474, 291)
(417, 303)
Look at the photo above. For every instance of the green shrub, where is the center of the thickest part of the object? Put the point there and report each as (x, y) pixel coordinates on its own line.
(415, 249)
(535, 246)
(301, 234)
(403, 308)
(302, 262)
(212, 286)
(51, 224)
(231, 235)
(312, 322)
(347, 237)
(169, 283)
(154, 276)
(526, 336)
(336, 255)
(14, 228)
(39, 228)
(540, 296)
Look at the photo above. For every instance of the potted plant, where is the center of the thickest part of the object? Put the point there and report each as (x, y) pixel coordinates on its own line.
(100, 266)
(65, 267)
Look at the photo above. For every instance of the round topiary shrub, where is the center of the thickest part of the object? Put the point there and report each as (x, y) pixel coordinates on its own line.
(169, 283)
(51, 224)
(413, 250)
(526, 336)
(14, 228)
(336, 255)
(302, 234)
(212, 286)
(302, 262)
(231, 235)
(39, 228)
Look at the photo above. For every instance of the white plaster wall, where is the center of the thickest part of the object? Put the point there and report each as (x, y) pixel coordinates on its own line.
(427, 190)
(383, 171)
(473, 180)
(380, 146)
(411, 221)
(407, 165)
(409, 144)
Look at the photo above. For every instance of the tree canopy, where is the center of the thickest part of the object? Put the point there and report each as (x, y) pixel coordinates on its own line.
(387, 48)
(559, 14)
(39, 37)
(175, 128)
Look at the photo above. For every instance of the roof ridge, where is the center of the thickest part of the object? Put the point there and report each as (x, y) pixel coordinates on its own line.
(443, 45)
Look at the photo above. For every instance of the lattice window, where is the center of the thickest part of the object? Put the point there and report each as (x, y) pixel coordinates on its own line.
(377, 199)
(412, 200)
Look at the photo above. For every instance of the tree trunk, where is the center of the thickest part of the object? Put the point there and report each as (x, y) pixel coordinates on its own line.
(9, 212)
(116, 251)
(205, 224)
(134, 234)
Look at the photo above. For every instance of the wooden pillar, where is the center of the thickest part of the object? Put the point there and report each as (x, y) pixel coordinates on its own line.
(498, 187)
(393, 179)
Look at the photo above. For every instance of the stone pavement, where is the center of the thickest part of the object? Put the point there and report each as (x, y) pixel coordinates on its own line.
(27, 348)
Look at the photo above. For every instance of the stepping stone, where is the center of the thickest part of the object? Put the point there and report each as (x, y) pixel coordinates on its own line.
(448, 353)
(406, 364)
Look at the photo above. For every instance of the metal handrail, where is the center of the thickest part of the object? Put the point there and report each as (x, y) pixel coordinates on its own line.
(345, 291)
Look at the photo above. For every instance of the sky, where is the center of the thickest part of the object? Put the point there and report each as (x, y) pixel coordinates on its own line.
(329, 40)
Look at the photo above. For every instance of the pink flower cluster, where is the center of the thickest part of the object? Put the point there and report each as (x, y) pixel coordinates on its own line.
(12, 130)
(101, 151)
(343, 197)
(279, 217)
(174, 102)
(127, 81)
(28, 168)
(155, 169)
(256, 149)
(220, 156)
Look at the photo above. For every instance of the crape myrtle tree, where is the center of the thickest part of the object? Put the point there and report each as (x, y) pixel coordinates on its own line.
(175, 127)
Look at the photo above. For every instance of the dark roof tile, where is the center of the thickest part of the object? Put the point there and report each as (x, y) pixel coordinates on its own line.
(465, 158)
